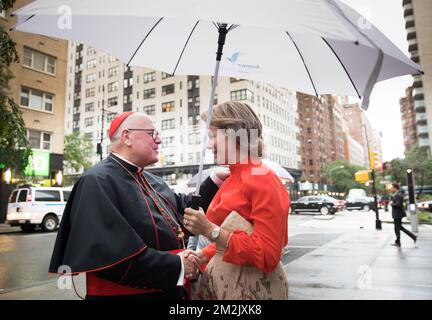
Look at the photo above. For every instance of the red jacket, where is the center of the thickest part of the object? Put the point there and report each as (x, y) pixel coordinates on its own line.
(257, 194)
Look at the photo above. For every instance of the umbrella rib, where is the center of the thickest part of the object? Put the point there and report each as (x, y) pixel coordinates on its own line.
(148, 33)
(343, 66)
(184, 47)
(304, 63)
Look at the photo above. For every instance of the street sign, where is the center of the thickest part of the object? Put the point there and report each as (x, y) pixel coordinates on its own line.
(362, 176)
(2, 165)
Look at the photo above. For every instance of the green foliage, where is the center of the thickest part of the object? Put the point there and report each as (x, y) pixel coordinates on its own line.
(77, 152)
(416, 159)
(341, 177)
(15, 148)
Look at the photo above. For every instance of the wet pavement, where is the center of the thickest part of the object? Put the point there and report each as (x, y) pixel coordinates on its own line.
(340, 257)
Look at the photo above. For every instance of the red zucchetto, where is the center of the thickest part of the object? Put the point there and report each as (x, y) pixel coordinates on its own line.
(117, 121)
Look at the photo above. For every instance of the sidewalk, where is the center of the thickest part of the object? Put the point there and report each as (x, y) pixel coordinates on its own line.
(358, 262)
(362, 264)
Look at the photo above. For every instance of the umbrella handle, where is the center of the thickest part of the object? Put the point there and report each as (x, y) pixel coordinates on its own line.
(196, 201)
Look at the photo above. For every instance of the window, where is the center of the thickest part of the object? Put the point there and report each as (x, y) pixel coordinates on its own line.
(112, 101)
(23, 195)
(167, 142)
(111, 116)
(90, 92)
(150, 110)
(244, 94)
(168, 124)
(88, 135)
(36, 99)
(166, 75)
(111, 59)
(113, 86)
(91, 78)
(47, 195)
(66, 195)
(127, 98)
(39, 61)
(168, 89)
(232, 80)
(39, 140)
(168, 106)
(149, 93)
(91, 51)
(91, 64)
(89, 107)
(88, 121)
(149, 77)
(113, 72)
(127, 82)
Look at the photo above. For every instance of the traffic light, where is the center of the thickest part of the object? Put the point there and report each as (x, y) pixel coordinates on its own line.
(373, 158)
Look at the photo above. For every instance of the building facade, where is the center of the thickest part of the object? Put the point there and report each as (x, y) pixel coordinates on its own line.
(321, 135)
(408, 115)
(39, 88)
(418, 17)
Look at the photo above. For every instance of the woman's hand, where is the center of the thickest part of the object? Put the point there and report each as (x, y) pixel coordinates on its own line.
(196, 222)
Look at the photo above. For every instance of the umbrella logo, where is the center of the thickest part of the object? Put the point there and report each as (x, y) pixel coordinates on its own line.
(234, 57)
(242, 67)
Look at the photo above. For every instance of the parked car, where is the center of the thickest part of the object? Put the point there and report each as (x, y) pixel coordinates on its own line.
(425, 206)
(360, 203)
(322, 204)
(30, 207)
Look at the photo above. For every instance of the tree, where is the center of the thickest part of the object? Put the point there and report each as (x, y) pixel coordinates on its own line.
(416, 159)
(15, 148)
(341, 175)
(77, 151)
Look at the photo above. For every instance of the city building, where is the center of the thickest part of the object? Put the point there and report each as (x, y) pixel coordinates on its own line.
(408, 115)
(418, 17)
(100, 86)
(39, 88)
(321, 136)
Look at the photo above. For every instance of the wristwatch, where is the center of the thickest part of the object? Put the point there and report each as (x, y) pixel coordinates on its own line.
(215, 233)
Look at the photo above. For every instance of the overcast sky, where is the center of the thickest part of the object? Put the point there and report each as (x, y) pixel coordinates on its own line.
(384, 110)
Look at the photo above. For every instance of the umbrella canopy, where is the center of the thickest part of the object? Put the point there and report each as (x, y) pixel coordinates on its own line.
(313, 46)
(295, 44)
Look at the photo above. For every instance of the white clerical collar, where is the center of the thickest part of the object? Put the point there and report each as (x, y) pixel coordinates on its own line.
(127, 161)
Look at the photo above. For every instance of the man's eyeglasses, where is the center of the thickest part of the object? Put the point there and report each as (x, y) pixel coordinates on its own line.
(152, 132)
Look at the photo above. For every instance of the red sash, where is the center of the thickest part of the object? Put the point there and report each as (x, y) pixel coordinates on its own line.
(100, 287)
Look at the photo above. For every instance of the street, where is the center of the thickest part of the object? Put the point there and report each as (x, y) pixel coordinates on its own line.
(328, 257)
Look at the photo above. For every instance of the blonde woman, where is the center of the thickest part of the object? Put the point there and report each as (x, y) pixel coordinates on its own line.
(247, 219)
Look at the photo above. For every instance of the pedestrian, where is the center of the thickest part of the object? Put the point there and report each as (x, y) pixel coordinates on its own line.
(247, 219)
(398, 212)
(123, 226)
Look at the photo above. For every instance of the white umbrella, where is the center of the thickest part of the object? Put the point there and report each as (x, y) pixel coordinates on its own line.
(313, 46)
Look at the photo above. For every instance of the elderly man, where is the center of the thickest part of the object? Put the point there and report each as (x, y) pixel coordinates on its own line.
(123, 227)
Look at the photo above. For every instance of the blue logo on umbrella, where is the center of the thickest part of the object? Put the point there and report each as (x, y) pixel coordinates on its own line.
(234, 57)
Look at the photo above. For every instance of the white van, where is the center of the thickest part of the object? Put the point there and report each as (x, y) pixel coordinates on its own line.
(30, 207)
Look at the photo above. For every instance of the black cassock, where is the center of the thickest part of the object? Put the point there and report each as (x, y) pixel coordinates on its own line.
(118, 226)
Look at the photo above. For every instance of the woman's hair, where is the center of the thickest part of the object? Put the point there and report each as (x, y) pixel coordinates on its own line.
(236, 116)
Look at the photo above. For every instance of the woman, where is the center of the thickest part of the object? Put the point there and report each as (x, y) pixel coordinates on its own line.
(247, 219)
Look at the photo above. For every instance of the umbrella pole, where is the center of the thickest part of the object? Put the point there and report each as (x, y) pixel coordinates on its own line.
(222, 30)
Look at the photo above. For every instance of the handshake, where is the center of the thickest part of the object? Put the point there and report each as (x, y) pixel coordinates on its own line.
(191, 262)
